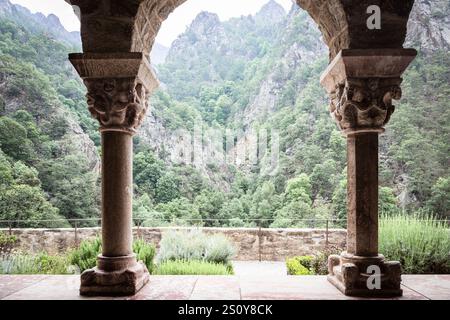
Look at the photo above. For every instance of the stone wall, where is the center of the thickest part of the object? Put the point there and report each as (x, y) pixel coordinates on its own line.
(251, 244)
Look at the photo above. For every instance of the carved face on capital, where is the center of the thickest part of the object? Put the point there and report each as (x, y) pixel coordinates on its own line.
(118, 104)
(364, 103)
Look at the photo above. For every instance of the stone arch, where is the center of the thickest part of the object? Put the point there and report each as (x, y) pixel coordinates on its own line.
(343, 23)
(132, 26)
(363, 79)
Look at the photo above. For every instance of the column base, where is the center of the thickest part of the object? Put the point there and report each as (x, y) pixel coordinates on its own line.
(350, 274)
(114, 276)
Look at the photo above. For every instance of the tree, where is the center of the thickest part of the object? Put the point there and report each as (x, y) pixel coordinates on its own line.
(387, 203)
(291, 214)
(72, 186)
(324, 178)
(209, 204)
(340, 202)
(142, 210)
(439, 202)
(147, 171)
(234, 213)
(27, 203)
(6, 172)
(167, 188)
(299, 189)
(13, 140)
(180, 210)
(264, 203)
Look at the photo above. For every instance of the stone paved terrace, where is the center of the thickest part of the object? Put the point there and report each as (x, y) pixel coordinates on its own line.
(256, 287)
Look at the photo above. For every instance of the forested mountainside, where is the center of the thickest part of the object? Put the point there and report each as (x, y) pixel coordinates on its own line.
(250, 73)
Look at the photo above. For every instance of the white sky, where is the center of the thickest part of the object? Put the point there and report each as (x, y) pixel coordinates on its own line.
(173, 26)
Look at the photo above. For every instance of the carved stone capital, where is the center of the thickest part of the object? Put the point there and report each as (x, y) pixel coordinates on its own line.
(364, 104)
(362, 85)
(119, 104)
(118, 86)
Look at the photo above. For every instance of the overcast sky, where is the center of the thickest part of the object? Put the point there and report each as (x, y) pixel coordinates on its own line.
(173, 26)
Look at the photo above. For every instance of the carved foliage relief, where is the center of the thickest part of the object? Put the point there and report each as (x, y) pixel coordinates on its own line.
(364, 103)
(119, 104)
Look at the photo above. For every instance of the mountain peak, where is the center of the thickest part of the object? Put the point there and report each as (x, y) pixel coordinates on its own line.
(205, 23)
(206, 17)
(5, 6)
(271, 11)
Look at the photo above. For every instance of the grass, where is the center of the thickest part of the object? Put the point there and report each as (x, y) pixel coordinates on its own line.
(193, 267)
(418, 241)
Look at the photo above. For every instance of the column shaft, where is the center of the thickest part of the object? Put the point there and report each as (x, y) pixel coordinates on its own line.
(362, 194)
(117, 193)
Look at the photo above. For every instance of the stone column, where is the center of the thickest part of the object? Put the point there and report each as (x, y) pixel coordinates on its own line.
(362, 85)
(118, 87)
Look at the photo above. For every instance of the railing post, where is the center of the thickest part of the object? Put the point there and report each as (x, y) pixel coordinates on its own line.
(259, 241)
(76, 234)
(139, 229)
(10, 228)
(326, 236)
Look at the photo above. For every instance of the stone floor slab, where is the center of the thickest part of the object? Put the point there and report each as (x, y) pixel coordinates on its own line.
(255, 287)
(217, 288)
(288, 288)
(263, 268)
(10, 284)
(434, 287)
(167, 288)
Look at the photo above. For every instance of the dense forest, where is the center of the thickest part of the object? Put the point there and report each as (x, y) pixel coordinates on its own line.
(257, 72)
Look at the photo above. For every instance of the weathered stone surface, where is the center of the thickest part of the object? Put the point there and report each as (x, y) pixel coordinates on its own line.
(132, 26)
(118, 87)
(362, 85)
(116, 276)
(269, 245)
(351, 275)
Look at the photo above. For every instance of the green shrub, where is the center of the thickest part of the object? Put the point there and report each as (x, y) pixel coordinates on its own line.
(85, 256)
(305, 261)
(193, 267)
(146, 253)
(418, 241)
(7, 243)
(42, 263)
(316, 264)
(52, 264)
(295, 268)
(195, 245)
(319, 264)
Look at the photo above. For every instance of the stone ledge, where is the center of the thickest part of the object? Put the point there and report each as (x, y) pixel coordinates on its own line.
(251, 243)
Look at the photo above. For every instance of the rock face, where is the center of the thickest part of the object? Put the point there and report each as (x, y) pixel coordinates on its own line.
(208, 34)
(38, 22)
(428, 30)
(251, 244)
(429, 25)
(271, 11)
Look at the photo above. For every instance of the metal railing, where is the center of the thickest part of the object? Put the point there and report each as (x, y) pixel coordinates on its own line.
(259, 224)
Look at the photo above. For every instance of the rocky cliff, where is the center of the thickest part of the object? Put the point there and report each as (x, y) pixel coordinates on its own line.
(39, 23)
(292, 44)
